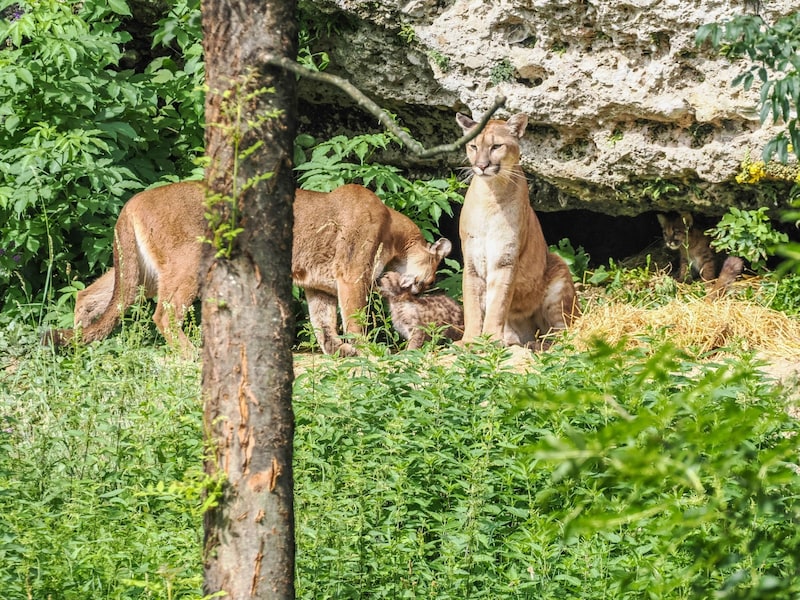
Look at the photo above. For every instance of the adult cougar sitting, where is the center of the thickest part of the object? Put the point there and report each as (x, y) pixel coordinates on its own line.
(343, 240)
(514, 289)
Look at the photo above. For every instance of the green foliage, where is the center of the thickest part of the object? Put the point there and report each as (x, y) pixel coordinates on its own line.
(790, 251)
(576, 259)
(442, 61)
(308, 34)
(502, 71)
(780, 291)
(103, 489)
(748, 234)
(616, 136)
(660, 187)
(450, 279)
(407, 33)
(327, 165)
(692, 481)
(82, 133)
(609, 474)
(775, 50)
(638, 286)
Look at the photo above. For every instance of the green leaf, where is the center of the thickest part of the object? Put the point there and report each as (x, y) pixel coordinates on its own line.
(25, 75)
(11, 123)
(120, 7)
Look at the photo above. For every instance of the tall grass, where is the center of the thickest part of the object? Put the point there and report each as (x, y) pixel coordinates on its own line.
(100, 474)
(614, 472)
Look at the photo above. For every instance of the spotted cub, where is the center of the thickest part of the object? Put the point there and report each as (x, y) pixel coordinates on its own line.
(414, 315)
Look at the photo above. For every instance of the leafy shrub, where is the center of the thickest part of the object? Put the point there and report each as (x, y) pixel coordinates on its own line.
(645, 285)
(748, 234)
(772, 50)
(780, 291)
(606, 474)
(83, 134)
(576, 259)
(450, 278)
(691, 482)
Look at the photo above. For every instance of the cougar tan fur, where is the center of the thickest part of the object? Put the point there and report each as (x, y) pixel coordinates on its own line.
(93, 299)
(514, 289)
(343, 240)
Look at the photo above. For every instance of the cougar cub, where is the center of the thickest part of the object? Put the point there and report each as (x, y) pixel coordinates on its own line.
(696, 255)
(413, 316)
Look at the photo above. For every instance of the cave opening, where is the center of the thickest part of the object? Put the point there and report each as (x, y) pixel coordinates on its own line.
(601, 236)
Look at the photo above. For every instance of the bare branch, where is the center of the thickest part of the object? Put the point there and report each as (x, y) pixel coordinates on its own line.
(473, 133)
(384, 117)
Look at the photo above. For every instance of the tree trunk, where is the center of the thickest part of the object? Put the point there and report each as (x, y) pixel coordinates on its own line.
(247, 315)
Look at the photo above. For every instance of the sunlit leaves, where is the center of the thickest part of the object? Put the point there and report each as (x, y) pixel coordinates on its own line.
(77, 126)
(775, 52)
(609, 473)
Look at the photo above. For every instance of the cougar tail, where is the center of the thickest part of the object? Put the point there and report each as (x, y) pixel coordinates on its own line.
(127, 278)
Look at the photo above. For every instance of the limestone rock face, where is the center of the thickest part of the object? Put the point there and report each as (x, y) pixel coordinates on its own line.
(626, 113)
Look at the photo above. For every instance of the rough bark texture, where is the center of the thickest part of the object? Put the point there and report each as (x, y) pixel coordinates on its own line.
(247, 316)
(627, 114)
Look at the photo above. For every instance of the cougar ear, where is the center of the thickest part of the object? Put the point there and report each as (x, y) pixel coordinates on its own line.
(687, 219)
(662, 219)
(440, 248)
(407, 282)
(517, 124)
(465, 122)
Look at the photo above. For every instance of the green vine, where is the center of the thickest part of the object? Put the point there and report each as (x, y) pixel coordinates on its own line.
(222, 209)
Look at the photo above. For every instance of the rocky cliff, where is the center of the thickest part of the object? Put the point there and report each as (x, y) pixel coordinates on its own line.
(627, 114)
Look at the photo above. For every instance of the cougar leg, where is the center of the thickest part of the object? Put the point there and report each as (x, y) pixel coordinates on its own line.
(417, 339)
(322, 313)
(352, 302)
(474, 304)
(731, 269)
(171, 308)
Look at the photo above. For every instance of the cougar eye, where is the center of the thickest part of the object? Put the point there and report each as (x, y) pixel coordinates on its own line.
(496, 147)
(472, 147)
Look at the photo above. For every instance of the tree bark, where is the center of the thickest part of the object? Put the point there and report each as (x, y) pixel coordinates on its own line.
(247, 315)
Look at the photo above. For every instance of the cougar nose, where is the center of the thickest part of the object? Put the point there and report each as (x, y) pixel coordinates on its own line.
(480, 167)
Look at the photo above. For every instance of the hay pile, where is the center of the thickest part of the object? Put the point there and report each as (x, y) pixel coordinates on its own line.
(693, 323)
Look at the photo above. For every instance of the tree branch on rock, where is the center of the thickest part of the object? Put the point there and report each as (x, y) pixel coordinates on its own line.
(384, 117)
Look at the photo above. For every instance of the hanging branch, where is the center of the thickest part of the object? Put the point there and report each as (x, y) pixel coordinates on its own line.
(385, 118)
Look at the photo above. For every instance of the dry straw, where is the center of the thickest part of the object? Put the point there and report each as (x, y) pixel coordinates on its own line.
(694, 323)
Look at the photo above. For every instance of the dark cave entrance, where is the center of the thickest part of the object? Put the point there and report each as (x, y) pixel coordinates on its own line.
(601, 236)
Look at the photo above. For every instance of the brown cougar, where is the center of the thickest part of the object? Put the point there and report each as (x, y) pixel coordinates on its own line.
(696, 256)
(343, 240)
